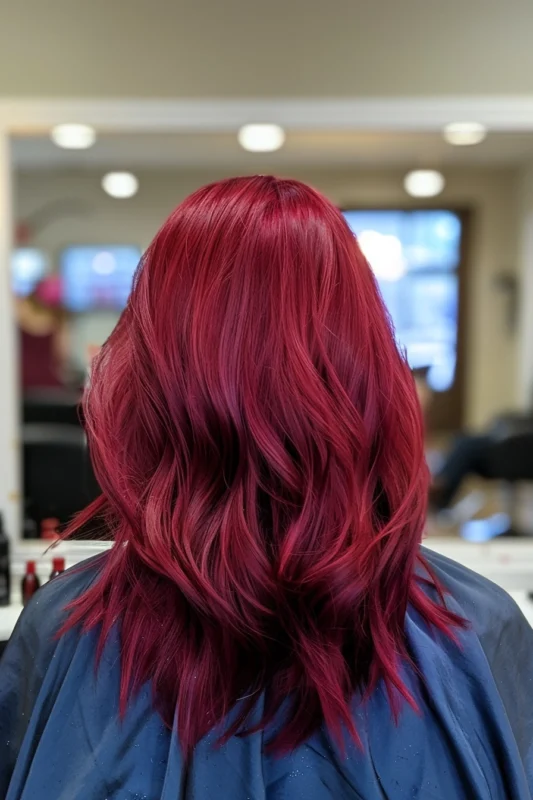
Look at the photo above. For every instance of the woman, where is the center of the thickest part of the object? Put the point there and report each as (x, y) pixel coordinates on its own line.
(44, 340)
(266, 625)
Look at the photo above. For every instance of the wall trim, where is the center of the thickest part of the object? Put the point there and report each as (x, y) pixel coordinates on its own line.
(35, 115)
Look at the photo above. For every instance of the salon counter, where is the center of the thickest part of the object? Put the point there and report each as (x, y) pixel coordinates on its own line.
(507, 562)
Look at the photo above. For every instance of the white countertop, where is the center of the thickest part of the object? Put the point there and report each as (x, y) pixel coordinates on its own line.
(42, 554)
(508, 562)
(8, 619)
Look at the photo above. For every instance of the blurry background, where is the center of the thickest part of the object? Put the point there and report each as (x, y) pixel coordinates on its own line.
(446, 264)
(366, 94)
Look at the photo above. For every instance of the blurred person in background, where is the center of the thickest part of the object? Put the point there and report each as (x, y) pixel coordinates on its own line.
(44, 341)
(467, 455)
(266, 624)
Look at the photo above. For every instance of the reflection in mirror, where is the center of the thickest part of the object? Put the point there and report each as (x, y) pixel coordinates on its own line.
(85, 216)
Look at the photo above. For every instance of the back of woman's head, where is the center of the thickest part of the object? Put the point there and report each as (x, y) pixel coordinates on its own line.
(258, 441)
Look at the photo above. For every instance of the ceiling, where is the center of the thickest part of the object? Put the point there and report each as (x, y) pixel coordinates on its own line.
(238, 48)
(318, 149)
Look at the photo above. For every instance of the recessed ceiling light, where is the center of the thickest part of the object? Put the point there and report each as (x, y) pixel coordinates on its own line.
(261, 138)
(424, 183)
(120, 184)
(464, 133)
(73, 137)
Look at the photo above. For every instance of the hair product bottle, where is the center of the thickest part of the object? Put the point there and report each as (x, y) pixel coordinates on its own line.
(49, 528)
(30, 583)
(5, 574)
(58, 566)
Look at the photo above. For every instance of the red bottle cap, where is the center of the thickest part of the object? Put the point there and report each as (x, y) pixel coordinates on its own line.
(58, 565)
(30, 567)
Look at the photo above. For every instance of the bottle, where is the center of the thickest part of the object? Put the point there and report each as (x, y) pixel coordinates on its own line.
(5, 574)
(30, 583)
(58, 566)
(49, 529)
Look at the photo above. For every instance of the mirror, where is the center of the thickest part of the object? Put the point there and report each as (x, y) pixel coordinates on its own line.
(83, 218)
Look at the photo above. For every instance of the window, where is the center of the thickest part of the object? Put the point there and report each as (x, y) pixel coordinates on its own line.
(415, 256)
(98, 277)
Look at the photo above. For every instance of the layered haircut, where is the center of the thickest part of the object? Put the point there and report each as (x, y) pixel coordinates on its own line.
(258, 441)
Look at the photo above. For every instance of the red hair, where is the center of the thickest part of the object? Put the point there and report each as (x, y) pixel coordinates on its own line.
(258, 440)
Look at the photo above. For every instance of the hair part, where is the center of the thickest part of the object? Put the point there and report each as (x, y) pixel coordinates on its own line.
(259, 444)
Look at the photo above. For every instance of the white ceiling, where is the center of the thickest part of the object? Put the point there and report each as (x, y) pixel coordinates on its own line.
(318, 149)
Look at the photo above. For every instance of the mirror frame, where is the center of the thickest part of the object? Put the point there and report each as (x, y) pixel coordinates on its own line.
(29, 117)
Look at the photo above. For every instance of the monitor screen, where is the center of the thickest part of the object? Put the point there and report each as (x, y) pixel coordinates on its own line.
(98, 277)
(415, 257)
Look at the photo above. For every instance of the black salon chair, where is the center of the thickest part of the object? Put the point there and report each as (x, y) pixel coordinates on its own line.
(512, 423)
(51, 406)
(510, 460)
(58, 476)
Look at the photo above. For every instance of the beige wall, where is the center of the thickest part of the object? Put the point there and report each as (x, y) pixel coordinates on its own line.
(525, 362)
(492, 383)
(290, 48)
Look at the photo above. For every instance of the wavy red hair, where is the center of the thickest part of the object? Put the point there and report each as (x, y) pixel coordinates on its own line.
(258, 440)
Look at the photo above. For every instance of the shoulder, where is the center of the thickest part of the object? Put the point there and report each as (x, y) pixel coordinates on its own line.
(490, 610)
(506, 641)
(45, 614)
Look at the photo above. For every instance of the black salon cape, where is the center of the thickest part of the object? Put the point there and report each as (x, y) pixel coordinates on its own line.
(61, 738)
